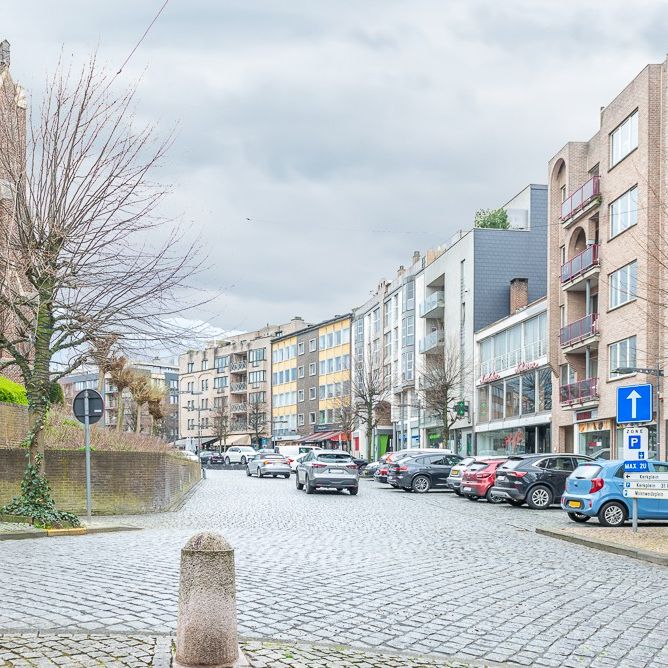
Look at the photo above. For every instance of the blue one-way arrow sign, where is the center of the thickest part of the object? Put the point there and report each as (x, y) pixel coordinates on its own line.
(634, 403)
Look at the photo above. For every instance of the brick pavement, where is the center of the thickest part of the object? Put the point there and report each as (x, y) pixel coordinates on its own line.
(386, 570)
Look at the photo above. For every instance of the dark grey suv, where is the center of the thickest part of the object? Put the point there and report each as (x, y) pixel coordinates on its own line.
(537, 480)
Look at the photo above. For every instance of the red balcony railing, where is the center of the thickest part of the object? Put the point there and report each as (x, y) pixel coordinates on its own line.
(580, 263)
(580, 198)
(579, 330)
(585, 390)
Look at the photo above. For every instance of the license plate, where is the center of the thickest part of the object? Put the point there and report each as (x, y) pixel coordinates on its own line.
(575, 504)
(338, 472)
(454, 472)
(466, 489)
(500, 477)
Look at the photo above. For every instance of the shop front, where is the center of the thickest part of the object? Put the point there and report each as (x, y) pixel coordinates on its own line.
(513, 441)
(602, 439)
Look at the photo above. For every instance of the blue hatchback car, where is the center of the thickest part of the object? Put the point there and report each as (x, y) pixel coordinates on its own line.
(595, 490)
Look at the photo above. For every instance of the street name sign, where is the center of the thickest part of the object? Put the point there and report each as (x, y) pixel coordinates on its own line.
(646, 477)
(645, 493)
(634, 403)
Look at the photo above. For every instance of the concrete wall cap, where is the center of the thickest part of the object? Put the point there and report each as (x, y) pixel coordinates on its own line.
(207, 541)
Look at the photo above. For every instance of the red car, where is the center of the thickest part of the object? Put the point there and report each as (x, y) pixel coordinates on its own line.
(478, 479)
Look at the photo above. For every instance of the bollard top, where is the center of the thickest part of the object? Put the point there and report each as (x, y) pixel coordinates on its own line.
(207, 541)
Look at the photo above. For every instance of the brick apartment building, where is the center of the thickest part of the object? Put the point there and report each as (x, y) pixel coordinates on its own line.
(607, 263)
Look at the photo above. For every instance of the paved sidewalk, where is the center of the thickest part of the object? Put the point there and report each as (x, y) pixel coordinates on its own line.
(136, 651)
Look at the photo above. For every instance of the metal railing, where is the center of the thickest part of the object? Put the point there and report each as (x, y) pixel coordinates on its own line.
(579, 330)
(528, 353)
(584, 390)
(237, 387)
(583, 261)
(580, 198)
(434, 301)
(432, 340)
(238, 366)
(239, 408)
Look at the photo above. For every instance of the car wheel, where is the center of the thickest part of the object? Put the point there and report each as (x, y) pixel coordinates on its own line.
(471, 498)
(339, 489)
(539, 498)
(227, 461)
(299, 485)
(243, 460)
(309, 488)
(457, 492)
(421, 484)
(491, 498)
(259, 473)
(515, 502)
(273, 475)
(353, 491)
(286, 475)
(612, 514)
(248, 472)
(580, 518)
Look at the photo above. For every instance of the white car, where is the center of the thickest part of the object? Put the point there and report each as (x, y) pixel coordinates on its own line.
(239, 454)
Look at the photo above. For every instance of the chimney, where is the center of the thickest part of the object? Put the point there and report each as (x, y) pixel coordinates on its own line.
(519, 294)
(416, 257)
(4, 55)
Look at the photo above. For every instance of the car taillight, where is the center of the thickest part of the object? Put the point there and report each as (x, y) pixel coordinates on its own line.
(352, 466)
(402, 468)
(290, 460)
(480, 476)
(317, 465)
(596, 485)
(516, 474)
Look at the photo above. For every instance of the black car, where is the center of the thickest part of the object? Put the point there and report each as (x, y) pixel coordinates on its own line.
(361, 464)
(216, 458)
(205, 456)
(422, 472)
(537, 480)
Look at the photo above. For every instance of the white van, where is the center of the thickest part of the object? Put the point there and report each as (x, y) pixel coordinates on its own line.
(293, 451)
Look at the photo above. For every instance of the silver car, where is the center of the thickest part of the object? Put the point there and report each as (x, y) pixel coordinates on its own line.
(270, 463)
(327, 468)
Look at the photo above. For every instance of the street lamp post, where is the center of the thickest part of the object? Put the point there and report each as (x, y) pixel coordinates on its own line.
(658, 372)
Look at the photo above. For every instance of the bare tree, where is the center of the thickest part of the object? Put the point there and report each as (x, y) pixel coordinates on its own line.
(92, 256)
(440, 384)
(142, 393)
(370, 390)
(257, 419)
(157, 408)
(102, 353)
(221, 422)
(121, 376)
(344, 413)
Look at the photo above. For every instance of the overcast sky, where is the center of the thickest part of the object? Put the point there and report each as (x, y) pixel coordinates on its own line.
(321, 142)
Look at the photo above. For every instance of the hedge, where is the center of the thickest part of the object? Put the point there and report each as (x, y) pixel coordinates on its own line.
(11, 392)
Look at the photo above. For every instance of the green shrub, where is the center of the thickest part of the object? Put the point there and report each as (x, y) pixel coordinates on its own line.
(11, 392)
(56, 396)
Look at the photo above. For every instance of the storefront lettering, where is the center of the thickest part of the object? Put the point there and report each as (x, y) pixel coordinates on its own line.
(526, 366)
(489, 377)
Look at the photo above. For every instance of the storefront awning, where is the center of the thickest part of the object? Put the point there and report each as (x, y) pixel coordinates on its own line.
(324, 436)
(241, 439)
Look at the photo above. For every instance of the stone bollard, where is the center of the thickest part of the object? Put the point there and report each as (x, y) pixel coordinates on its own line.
(206, 631)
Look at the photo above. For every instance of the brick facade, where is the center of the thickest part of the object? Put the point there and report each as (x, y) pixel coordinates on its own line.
(13, 424)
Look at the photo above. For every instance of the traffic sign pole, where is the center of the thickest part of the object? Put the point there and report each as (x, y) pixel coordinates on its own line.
(634, 505)
(87, 446)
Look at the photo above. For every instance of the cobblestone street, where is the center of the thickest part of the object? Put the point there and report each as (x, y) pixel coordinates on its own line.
(385, 570)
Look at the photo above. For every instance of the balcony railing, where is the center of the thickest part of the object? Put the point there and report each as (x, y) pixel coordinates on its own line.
(529, 353)
(238, 366)
(238, 426)
(579, 264)
(239, 408)
(237, 387)
(584, 390)
(579, 330)
(580, 198)
(432, 303)
(432, 340)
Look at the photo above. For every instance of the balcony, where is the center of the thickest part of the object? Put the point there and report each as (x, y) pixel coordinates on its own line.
(577, 333)
(579, 267)
(238, 367)
(236, 425)
(431, 342)
(529, 354)
(239, 408)
(432, 306)
(586, 197)
(582, 392)
(236, 388)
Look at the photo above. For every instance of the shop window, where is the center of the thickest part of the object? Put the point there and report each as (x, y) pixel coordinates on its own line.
(528, 393)
(512, 397)
(483, 403)
(496, 390)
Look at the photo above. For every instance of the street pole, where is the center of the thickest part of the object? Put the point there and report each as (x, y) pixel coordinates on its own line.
(658, 412)
(87, 447)
(635, 514)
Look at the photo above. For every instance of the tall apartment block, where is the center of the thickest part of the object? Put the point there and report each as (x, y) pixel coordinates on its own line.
(311, 384)
(607, 254)
(230, 379)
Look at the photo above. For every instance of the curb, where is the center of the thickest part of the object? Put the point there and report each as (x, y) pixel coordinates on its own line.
(179, 503)
(606, 546)
(52, 533)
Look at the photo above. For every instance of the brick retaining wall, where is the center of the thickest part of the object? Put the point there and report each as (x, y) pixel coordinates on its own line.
(13, 424)
(122, 482)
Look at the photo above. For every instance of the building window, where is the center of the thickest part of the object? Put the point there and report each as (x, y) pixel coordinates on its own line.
(545, 389)
(323, 391)
(408, 332)
(191, 367)
(623, 284)
(204, 403)
(257, 377)
(387, 338)
(300, 348)
(529, 393)
(256, 355)
(311, 418)
(300, 420)
(205, 365)
(622, 354)
(387, 312)
(205, 385)
(624, 139)
(257, 397)
(624, 212)
(512, 397)
(312, 393)
(300, 395)
(409, 296)
(376, 321)
(323, 342)
(312, 345)
(312, 369)
(483, 403)
(300, 372)
(219, 382)
(221, 362)
(496, 390)
(563, 194)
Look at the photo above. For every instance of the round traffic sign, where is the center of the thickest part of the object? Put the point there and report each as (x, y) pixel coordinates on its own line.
(95, 406)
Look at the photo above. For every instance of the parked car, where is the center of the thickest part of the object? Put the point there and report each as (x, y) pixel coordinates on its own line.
(205, 456)
(327, 468)
(382, 472)
(371, 468)
(216, 458)
(270, 463)
(294, 451)
(596, 490)
(239, 454)
(537, 480)
(423, 472)
(478, 479)
(455, 477)
(361, 463)
(382, 475)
